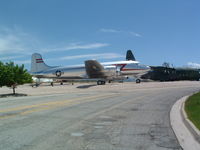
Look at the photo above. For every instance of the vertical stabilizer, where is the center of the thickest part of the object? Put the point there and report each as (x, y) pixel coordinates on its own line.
(130, 56)
(37, 63)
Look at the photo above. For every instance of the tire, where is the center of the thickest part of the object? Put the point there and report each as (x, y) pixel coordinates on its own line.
(137, 80)
(103, 82)
(99, 82)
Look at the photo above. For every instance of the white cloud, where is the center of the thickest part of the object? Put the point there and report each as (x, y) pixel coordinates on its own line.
(86, 46)
(16, 45)
(9, 43)
(193, 65)
(15, 41)
(77, 46)
(135, 34)
(10, 57)
(94, 56)
(22, 61)
(109, 30)
(120, 31)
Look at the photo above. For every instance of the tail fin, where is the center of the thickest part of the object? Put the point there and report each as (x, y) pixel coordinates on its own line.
(130, 56)
(94, 69)
(37, 63)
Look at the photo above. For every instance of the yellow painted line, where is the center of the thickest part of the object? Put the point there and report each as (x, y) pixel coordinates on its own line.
(44, 104)
(64, 104)
(50, 105)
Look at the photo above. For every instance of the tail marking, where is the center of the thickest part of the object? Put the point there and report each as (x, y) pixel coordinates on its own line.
(39, 60)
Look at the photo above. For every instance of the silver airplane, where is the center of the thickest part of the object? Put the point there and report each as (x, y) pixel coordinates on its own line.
(91, 70)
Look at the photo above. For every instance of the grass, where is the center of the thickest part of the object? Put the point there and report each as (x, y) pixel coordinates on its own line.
(192, 108)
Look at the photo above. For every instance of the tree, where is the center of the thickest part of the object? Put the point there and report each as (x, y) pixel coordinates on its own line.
(166, 64)
(12, 75)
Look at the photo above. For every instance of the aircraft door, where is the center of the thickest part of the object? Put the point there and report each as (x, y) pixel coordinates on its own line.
(118, 70)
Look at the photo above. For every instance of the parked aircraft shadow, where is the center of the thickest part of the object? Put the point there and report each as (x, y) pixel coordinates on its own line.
(85, 86)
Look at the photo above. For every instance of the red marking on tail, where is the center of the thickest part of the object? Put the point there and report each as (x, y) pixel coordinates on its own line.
(40, 60)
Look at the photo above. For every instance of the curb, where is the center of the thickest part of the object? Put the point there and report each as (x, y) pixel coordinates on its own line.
(191, 127)
(188, 139)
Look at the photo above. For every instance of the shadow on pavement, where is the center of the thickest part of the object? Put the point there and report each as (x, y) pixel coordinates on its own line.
(12, 95)
(85, 86)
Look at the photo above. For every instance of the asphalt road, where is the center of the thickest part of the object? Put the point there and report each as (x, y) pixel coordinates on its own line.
(132, 117)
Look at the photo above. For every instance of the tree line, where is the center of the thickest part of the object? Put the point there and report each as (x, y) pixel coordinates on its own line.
(12, 75)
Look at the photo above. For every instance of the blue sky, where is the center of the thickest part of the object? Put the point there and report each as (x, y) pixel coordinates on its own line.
(67, 32)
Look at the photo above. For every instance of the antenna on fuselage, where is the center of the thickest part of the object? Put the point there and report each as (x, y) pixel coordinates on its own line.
(130, 56)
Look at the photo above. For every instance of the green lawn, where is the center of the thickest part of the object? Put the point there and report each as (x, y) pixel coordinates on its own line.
(192, 108)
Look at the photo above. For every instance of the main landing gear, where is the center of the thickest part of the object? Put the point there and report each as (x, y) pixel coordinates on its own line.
(100, 82)
(137, 80)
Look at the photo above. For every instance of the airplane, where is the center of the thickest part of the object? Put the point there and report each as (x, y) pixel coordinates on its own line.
(91, 70)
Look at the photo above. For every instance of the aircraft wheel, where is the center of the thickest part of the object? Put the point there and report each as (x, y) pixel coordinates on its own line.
(103, 82)
(138, 81)
(99, 82)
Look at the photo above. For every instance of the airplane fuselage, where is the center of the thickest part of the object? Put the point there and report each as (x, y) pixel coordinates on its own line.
(118, 68)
